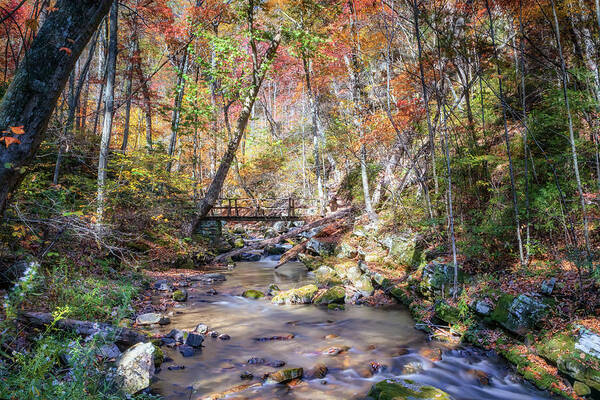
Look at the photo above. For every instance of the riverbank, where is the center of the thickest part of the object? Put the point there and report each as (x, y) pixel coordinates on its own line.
(534, 317)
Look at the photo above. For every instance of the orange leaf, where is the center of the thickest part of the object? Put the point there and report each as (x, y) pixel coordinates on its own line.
(51, 9)
(17, 130)
(66, 50)
(10, 140)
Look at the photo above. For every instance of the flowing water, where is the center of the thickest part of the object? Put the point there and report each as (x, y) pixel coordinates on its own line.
(385, 336)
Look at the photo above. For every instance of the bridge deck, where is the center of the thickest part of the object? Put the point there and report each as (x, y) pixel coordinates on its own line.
(288, 209)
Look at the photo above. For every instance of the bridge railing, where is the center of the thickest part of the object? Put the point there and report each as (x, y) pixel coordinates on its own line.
(290, 207)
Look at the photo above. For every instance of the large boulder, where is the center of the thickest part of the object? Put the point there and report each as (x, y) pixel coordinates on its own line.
(302, 295)
(311, 262)
(403, 249)
(135, 368)
(518, 314)
(404, 389)
(364, 285)
(438, 279)
(320, 248)
(576, 352)
(326, 276)
(334, 295)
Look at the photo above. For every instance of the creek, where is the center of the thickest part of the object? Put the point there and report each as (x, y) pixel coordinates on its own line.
(382, 342)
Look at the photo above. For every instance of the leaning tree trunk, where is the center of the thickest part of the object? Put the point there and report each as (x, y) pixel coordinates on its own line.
(214, 189)
(40, 79)
(109, 105)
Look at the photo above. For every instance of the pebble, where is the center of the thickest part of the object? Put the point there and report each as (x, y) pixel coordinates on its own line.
(175, 367)
(224, 336)
(213, 334)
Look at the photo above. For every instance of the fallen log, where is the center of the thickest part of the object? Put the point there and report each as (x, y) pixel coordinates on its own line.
(291, 253)
(295, 232)
(124, 336)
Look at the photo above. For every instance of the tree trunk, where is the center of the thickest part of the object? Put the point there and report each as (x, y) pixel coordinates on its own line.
(32, 95)
(506, 137)
(73, 101)
(564, 77)
(312, 102)
(214, 189)
(145, 89)
(128, 90)
(425, 96)
(180, 90)
(109, 100)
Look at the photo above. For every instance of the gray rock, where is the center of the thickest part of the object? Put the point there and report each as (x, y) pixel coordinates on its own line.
(437, 278)
(482, 308)
(402, 248)
(209, 278)
(136, 367)
(151, 319)
(186, 351)
(109, 351)
(201, 329)
(548, 286)
(176, 334)
(280, 226)
(224, 336)
(194, 340)
(248, 257)
(522, 314)
(322, 249)
(162, 285)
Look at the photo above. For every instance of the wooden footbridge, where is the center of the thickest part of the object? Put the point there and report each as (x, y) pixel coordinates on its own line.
(239, 209)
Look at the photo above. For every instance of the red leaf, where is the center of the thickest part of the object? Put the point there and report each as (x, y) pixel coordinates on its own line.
(66, 50)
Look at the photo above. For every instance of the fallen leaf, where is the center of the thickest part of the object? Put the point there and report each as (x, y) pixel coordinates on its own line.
(66, 50)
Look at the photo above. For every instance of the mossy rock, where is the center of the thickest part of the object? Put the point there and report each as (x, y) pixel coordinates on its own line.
(326, 276)
(302, 295)
(447, 313)
(575, 352)
(405, 389)
(334, 295)
(238, 243)
(285, 375)
(518, 314)
(180, 295)
(311, 262)
(253, 294)
(404, 249)
(438, 279)
(401, 294)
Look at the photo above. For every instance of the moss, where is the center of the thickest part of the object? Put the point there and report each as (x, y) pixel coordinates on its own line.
(501, 309)
(336, 294)
(253, 294)
(311, 262)
(401, 389)
(335, 307)
(302, 295)
(447, 313)
(159, 356)
(180, 295)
